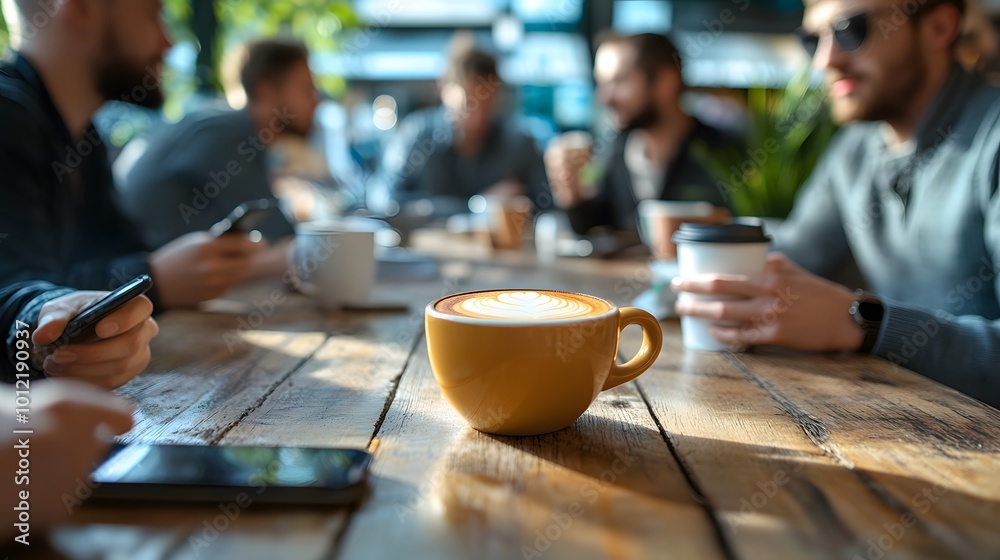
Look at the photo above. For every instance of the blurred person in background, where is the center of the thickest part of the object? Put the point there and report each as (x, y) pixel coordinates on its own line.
(192, 174)
(977, 48)
(639, 80)
(59, 208)
(908, 190)
(462, 148)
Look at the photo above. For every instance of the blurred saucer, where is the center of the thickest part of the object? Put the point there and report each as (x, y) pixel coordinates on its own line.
(659, 300)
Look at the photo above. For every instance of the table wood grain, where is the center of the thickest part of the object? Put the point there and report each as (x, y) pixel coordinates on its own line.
(770, 454)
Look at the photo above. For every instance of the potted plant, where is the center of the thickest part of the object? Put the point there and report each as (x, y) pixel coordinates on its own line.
(789, 130)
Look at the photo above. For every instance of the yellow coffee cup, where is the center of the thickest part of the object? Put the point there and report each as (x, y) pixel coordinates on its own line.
(527, 362)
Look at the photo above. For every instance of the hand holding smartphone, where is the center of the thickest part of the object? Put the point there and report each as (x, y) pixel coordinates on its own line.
(245, 218)
(81, 329)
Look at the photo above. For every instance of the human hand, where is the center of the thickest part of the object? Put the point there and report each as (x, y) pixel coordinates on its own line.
(564, 165)
(72, 424)
(273, 260)
(508, 188)
(790, 307)
(198, 267)
(121, 354)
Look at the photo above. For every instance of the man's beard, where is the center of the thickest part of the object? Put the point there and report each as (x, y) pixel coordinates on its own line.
(890, 102)
(646, 118)
(887, 105)
(120, 79)
(303, 130)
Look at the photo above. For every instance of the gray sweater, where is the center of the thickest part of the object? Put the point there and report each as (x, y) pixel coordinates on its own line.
(924, 229)
(194, 173)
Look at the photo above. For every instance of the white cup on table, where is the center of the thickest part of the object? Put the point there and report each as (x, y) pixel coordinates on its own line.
(334, 262)
(733, 249)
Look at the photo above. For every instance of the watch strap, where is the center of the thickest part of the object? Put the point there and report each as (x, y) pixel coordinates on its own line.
(869, 326)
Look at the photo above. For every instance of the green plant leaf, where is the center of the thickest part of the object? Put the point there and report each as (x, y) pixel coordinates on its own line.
(791, 127)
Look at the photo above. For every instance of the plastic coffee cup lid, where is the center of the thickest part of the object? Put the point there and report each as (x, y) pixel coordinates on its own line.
(743, 231)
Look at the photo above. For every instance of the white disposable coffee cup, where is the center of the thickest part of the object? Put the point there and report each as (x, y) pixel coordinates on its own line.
(733, 249)
(335, 262)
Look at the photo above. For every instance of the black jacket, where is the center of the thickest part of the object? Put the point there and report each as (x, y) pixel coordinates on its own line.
(57, 199)
(22, 302)
(614, 204)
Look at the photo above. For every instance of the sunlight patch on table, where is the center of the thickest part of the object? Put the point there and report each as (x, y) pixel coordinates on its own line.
(299, 345)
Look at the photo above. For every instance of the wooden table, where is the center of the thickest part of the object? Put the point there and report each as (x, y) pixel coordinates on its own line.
(770, 454)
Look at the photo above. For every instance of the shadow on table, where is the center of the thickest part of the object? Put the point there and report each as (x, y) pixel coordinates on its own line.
(797, 492)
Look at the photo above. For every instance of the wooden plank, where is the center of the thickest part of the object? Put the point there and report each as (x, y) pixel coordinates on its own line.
(201, 381)
(211, 369)
(929, 451)
(605, 487)
(762, 464)
(338, 397)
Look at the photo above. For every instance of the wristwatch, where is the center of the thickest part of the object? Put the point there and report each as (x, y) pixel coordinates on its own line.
(867, 311)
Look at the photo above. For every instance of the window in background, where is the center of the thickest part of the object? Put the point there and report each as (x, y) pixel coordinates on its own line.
(548, 15)
(724, 43)
(429, 13)
(643, 16)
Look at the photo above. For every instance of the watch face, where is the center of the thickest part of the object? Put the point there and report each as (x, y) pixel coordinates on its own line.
(871, 311)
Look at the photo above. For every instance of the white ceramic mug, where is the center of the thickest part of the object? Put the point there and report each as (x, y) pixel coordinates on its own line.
(335, 262)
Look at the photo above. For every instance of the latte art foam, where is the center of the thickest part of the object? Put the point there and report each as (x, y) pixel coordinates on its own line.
(523, 306)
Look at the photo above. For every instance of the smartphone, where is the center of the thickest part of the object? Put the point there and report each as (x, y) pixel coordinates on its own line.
(81, 328)
(246, 217)
(240, 475)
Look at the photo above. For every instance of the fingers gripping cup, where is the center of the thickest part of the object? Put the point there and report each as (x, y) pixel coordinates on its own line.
(531, 362)
(732, 249)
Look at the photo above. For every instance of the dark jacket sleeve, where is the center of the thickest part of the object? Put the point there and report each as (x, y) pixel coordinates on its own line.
(599, 210)
(405, 159)
(33, 215)
(19, 307)
(593, 212)
(535, 178)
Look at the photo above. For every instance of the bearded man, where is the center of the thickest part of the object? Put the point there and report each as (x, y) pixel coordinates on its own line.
(639, 79)
(908, 190)
(61, 221)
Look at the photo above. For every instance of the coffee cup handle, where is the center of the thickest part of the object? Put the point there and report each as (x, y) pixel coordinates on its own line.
(652, 342)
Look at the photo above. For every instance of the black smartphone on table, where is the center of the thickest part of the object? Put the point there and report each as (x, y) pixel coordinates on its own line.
(81, 329)
(246, 217)
(241, 475)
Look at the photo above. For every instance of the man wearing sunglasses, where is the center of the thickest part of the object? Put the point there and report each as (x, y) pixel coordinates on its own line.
(908, 190)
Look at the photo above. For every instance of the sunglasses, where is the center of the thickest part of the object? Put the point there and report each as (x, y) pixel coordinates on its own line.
(850, 34)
